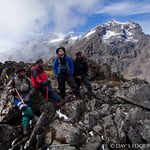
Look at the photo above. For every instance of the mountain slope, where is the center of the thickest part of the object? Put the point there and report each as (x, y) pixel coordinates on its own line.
(123, 46)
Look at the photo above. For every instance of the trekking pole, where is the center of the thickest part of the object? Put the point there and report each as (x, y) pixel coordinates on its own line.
(47, 93)
(19, 96)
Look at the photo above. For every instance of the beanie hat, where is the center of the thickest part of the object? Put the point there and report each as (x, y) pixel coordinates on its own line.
(39, 61)
(60, 48)
(78, 53)
(18, 70)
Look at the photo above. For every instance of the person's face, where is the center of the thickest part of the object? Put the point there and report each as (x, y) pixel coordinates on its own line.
(40, 64)
(78, 56)
(61, 53)
(21, 74)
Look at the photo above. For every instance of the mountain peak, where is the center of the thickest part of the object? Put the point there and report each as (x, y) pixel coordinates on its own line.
(125, 31)
(114, 22)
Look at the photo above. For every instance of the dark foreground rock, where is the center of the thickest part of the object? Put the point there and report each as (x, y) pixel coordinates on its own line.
(118, 113)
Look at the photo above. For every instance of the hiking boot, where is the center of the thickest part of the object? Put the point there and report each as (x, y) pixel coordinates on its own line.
(78, 99)
(25, 130)
(62, 100)
(60, 103)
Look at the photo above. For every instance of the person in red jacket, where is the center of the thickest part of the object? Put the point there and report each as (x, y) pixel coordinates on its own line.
(40, 81)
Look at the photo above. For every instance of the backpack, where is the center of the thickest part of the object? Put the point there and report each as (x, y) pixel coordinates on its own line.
(13, 82)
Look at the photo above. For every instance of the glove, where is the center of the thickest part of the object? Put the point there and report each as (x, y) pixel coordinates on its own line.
(78, 77)
(58, 75)
(13, 91)
(48, 83)
(27, 98)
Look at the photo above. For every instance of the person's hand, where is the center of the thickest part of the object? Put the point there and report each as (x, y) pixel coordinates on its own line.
(48, 82)
(27, 98)
(78, 77)
(12, 91)
(58, 75)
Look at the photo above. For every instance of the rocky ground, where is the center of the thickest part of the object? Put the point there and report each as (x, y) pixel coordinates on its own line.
(117, 116)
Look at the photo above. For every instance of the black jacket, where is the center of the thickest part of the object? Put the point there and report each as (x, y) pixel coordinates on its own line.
(81, 67)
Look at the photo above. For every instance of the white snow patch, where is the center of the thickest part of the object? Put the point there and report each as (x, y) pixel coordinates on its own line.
(91, 133)
(114, 22)
(61, 115)
(90, 33)
(74, 37)
(109, 34)
(103, 147)
(55, 40)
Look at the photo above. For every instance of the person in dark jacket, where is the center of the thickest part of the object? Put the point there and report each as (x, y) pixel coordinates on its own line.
(40, 81)
(81, 73)
(22, 90)
(63, 70)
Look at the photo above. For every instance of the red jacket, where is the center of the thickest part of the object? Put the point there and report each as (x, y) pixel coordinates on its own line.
(38, 77)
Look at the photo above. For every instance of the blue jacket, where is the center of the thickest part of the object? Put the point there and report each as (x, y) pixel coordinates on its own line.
(69, 63)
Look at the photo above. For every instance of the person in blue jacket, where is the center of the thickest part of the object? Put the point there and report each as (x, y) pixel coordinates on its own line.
(64, 69)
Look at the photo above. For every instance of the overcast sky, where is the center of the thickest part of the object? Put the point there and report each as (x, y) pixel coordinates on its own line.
(22, 20)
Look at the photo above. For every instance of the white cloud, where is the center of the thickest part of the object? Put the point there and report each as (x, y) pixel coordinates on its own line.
(124, 8)
(18, 18)
(22, 19)
(68, 14)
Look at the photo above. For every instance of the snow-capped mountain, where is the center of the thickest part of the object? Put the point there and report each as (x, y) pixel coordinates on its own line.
(123, 46)
(40, 47)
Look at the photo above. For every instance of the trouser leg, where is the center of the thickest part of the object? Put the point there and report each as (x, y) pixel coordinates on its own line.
(52, 94)
(61, 85)
(78, 82)
(87, 83)
(26, 117)
(19, 104)
(26, 114)
(71, 82)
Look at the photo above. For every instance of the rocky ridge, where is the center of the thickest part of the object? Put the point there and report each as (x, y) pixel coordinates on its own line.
(123, 46)
(118, 113)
